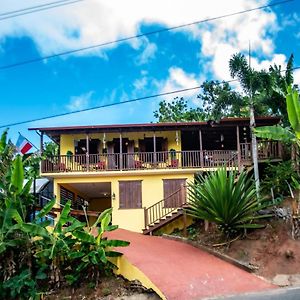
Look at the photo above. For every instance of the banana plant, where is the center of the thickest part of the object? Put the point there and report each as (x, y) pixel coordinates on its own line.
(285, 134)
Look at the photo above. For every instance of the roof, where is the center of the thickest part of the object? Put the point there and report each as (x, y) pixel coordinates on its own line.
(40, 184)
(55, 132)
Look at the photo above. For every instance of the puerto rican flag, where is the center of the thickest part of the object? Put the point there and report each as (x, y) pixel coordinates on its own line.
(23, 145)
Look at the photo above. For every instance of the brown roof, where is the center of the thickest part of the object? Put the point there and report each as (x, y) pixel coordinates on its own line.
(54, 132)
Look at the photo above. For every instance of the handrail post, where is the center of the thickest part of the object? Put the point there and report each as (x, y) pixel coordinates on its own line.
(182, 194)
(238, 148)
(145, 217)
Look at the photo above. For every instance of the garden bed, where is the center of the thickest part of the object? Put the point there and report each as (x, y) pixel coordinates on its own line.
(109, 288)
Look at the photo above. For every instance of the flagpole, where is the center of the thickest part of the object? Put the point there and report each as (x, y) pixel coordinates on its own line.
(29, 141)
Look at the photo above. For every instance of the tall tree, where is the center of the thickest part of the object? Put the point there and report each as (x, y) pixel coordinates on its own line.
(252, 83)
(177, 111)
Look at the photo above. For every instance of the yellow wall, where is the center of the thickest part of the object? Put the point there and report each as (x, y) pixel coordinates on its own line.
(152, 192)
(67, 140)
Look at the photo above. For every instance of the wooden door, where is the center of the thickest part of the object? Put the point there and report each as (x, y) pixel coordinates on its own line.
(110, 156)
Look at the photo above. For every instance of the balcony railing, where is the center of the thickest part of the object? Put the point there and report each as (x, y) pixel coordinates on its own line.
(161, 160)
(140, 161)
(265, 150)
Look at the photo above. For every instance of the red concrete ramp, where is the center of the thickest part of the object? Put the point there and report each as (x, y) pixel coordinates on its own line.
(182, 272)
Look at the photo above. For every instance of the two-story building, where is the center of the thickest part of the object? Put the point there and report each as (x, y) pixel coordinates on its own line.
(140, 169)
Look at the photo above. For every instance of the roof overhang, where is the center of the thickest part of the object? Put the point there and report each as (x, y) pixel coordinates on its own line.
(55, 132)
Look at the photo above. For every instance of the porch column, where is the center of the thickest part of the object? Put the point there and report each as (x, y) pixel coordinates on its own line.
(201, 148)
(154, 148)
(87, 152)
(121, 151)
(238, 147)
(42, 142)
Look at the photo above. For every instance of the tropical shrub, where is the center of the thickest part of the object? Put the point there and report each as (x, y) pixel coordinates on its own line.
(278, 177)
(34, 258)
(227, 200)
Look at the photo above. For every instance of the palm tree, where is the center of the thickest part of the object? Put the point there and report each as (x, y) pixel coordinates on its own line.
(252, 83)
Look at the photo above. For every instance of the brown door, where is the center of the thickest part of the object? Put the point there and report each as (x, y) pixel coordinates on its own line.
(110, 156)
(173, 194)
(130, 155)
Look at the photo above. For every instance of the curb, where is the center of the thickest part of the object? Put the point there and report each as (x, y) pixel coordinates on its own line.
(233, 261)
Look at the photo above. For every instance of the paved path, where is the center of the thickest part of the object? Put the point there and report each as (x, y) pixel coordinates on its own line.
(182, 272)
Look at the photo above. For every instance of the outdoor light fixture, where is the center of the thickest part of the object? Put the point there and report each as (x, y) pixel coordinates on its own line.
(113, 196)
(104, 139)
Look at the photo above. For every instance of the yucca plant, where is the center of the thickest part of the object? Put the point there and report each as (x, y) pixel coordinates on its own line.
(227, 200)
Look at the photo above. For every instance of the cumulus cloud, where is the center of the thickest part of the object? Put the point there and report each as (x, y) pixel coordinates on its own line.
(97, 21)
(80, 102)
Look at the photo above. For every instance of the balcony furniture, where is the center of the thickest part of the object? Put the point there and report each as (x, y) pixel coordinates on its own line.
(101, 165)
(138, 164)
(174, 163)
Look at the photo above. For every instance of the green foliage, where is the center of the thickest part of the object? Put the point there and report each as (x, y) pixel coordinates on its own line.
(51, 149)
(286, 134)
(177, 111)
(277, 177)
(219, 100)
(226, 200)
(34, 258)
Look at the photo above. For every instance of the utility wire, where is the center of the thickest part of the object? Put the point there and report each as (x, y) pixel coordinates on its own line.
(102, 106)
(123, 102)
(37, 8)
(32, 7)
(122, 40)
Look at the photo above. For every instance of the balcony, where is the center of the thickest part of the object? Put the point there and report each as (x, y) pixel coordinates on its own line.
(172, 160)
(140, 161)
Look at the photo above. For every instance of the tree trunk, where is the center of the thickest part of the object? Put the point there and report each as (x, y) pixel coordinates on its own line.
(254, 150)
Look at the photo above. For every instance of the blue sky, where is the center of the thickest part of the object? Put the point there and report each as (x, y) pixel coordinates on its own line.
(149, 65)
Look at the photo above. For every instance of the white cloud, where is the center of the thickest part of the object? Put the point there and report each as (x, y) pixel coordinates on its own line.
(297, 77)
(98, 21)
(80, 102)
(140, 84)
(147, 54)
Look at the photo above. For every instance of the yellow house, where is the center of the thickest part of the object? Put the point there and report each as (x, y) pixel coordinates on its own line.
(140, 170)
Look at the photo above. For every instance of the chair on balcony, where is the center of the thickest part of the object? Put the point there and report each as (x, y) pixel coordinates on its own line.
(138, 164)
(174, 163)
(100, 165)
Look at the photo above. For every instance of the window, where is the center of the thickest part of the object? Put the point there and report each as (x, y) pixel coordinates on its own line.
(173, 195)
(130, 194)
(66, 195)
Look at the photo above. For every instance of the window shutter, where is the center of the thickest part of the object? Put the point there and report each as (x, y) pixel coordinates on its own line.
(130, 194)
(66, 195)
(172, 194)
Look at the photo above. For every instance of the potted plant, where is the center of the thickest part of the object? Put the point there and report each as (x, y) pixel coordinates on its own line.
(174, 160)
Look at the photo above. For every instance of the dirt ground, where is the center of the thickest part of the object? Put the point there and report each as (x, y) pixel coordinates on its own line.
(270, 250)
(110, 288)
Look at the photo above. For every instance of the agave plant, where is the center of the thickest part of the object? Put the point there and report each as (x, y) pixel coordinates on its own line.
(227, 200)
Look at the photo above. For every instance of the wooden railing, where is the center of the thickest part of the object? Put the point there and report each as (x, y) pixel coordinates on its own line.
(265, 150)
(165, 207)
(140, 161)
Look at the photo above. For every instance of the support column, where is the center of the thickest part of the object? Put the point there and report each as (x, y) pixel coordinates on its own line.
(87, 152)
(42, 142)
(201, 148)
(154, 148)
(238, 147)
(121, 152)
